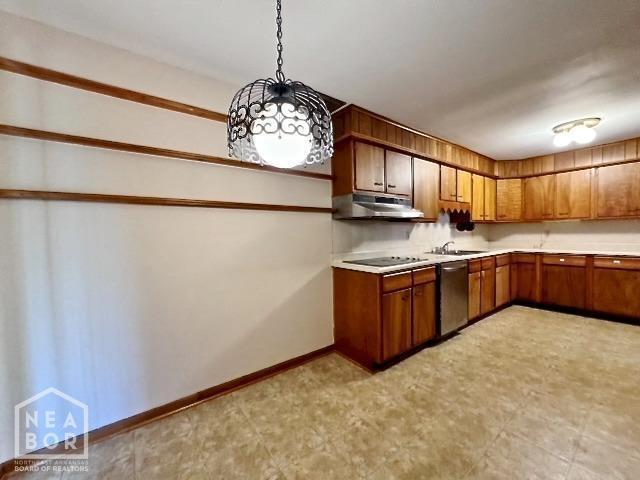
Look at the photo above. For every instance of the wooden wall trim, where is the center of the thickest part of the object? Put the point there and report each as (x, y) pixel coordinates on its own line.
(197, 398)
(61, 78)
(23, 132)
(160, 201)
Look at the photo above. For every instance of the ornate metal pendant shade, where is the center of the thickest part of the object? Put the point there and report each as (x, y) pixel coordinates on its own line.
(280, 122)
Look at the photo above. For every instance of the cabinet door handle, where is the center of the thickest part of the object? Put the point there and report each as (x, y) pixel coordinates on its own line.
(563, 213)
(417, 293)
(502, 215)
(378, 184)
(454, 195)
(617, 262)
(562, 259)
(405, 297)
(391, 186)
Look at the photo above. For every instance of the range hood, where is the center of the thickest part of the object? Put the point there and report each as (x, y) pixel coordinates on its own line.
(360, 206)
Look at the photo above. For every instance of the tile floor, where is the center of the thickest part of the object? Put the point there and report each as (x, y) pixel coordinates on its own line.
(524, 394)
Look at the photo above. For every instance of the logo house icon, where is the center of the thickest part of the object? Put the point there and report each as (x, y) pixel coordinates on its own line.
(47, 426)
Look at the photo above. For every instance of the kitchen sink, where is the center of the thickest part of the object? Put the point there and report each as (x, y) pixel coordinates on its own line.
(464, 252)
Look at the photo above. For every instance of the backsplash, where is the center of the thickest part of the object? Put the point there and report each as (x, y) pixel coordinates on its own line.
(610, 235)
(360, 236)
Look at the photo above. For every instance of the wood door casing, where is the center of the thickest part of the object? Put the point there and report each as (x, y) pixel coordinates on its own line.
(509, 199)
(424, 312)
(573, 194)
(474, 295)
(426, 188)
(617, 190)
(448, 183)
(369, 168)
(503, 285)
(490, 194)
(616, 292)
(488, 291)
(477, 198)
(564, 286)
(463, 186)
(396, 323)
(398, 173)
(539, 197)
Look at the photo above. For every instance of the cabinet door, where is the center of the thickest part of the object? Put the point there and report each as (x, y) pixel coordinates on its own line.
(426, 187)
(396, 323)
(573, 194)
(509, 199)
(513, 272)
(489, 199)
(539, 196)
(463, 187)
(526, 282)
(424, 312)
(564, 286)
(488, 290)
(369, 168)
(477, 199)
(616, 291)
(617, 190)
(503, 285)
(448, 182)
(474, 295)
(398, 171)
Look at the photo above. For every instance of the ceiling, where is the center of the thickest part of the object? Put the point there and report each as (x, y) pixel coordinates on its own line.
(492, 75)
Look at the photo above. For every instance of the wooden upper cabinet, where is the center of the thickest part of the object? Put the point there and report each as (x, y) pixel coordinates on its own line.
(426, 188)
(398, 173)
(369, 167)
(509, 199)
(448, 183)
(489, 199)
(477, 198)
(463, 186)
(618, 190)
(573, 194)
(539, 197)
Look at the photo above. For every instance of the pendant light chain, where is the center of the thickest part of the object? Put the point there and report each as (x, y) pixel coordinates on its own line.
(279, 73)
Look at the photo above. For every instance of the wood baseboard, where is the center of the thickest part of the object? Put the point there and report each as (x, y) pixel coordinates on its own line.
(189, 401)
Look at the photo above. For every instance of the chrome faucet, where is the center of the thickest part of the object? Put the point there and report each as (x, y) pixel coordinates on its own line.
(443, 249)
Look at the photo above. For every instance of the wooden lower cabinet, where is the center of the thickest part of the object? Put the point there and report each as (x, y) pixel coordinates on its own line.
(424, 313)
(525, 278)
(474, 294)
(378, 317)
(396, 323)
(564, 286)
(616, 287)
(488, 291)
(503, 285)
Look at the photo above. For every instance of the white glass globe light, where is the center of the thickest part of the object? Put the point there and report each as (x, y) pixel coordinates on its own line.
(562, 139)
(582, 134)
(283, 137)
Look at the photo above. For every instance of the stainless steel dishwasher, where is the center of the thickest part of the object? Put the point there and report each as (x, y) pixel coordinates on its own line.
(454, 296)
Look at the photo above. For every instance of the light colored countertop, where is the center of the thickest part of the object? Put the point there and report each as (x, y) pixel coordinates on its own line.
(427, 259)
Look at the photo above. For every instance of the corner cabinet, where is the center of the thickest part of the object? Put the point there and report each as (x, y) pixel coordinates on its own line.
(379, 317)
(617, 191)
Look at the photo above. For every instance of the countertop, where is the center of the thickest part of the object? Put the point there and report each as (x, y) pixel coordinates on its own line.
(435, 259)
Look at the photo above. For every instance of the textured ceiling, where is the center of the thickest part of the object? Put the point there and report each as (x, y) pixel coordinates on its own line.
(493, 75)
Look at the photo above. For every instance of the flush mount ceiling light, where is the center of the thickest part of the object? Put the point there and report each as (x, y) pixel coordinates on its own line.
(579, 131)
(280, 122)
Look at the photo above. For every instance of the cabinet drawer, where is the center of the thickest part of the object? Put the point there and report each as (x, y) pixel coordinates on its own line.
(475, 265)
(424, 275)
(568, 260)
(523, 258)
(503, 260)
(488, 263)
(396, 281)
(619, 263)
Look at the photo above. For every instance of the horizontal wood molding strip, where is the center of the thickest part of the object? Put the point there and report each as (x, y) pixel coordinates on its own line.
(142, 149)
(54, 76)
(162, 201)
(176, 406)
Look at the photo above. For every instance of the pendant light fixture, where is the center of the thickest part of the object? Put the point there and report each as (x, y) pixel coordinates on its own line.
(280, 122)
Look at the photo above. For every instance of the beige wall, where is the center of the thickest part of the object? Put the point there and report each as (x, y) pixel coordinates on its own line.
(129, 307)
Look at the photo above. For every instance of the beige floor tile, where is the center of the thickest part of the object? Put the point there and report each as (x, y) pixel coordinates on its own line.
(580, 473)
(607, 460)
(109, 459)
